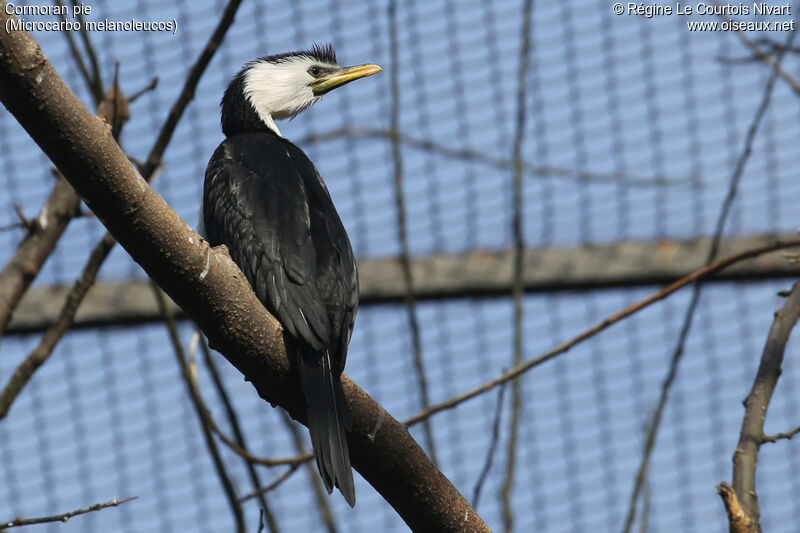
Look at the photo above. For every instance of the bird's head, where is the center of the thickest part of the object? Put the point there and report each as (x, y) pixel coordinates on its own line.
(283, 85)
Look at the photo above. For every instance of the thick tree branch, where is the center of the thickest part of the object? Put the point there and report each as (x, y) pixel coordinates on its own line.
(209, 286)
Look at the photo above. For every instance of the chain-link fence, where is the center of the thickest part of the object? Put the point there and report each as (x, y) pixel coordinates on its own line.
(633, 130)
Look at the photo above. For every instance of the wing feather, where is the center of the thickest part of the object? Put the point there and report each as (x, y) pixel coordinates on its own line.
(255, 202)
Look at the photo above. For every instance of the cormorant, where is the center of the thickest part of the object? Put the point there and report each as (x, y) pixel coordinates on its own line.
(264, 199)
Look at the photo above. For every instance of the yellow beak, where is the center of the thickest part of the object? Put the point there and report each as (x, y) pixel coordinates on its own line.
(342, 76)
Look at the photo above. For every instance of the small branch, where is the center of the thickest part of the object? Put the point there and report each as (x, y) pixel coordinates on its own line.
(29, 225)
(752, 435)
(233, 420)
(517, 286)
(487, 466)
(402, 232)
(146, 89)
(264, 461)
(236, 446)
(18, 274)
(326, 513)
(702, 273)
(582, 176)
(96, 78)
(56, 331)
(76, 53)
(64, 516)
(114, 108)
(189, 86)
(200, 408)
(766, 58)
(779, 436)
(272, 486)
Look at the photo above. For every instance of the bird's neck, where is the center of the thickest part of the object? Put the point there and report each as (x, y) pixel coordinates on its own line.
(240, 116)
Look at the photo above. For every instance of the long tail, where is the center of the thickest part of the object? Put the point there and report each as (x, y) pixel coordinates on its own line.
(328, 420)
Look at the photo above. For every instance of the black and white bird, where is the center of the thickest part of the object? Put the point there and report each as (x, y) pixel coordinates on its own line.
(264, 199)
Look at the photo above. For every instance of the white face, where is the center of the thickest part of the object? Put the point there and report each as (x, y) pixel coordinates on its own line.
(281, 90)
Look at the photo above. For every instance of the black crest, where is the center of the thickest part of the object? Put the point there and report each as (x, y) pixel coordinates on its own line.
(324, 53)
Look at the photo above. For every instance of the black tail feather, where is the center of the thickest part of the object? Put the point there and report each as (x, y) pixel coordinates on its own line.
(328, 420)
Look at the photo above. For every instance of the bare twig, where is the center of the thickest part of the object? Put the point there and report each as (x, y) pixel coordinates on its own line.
(9, 227)
(487, 465)
(63, 517)
(678, 351)
(517, 288)
(402, 230)
(264, 461)
(326, 513)
(272, 486)
(237, 446)
(233, 420)
(114, 108)
(768, 58)
(96, 78)
(56, 331)
(778, 436)
(702, 273)
(24, 221)
(76, 53)
(146, 89)
(189, 86)
(483, 158)
(18, 274)
(200, 408)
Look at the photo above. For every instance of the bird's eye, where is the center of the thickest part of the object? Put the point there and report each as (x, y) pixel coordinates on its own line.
(314, 71)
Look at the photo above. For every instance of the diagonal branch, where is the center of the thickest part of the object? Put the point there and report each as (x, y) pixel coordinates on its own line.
(24, 372)
(17, 276)
(209, 286)
(515, 372)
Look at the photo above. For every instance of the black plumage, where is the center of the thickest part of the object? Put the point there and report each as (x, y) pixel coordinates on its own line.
(264, 199)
